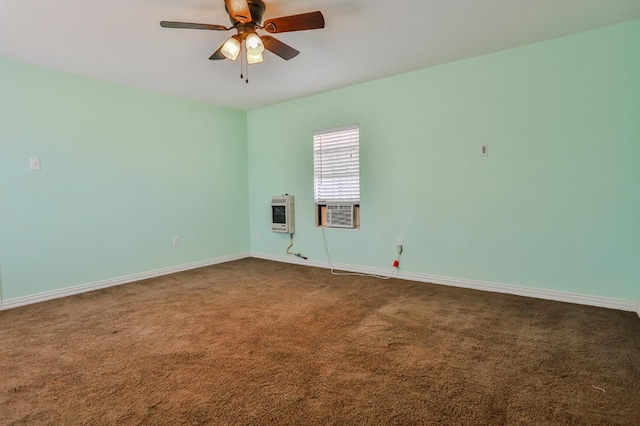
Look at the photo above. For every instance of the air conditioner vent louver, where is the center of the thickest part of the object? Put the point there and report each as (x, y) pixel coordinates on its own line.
(340, 216)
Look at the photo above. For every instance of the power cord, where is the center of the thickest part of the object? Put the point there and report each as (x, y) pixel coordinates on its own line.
(396, 263)
(291, 245)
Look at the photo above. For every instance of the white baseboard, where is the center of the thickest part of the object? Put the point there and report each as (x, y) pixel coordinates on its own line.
(559, 296)
(55, 294)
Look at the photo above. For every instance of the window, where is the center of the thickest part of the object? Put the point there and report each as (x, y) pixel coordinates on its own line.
(336, 164)
(336, 178)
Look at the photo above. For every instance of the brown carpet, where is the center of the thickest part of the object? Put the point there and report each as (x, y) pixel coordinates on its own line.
(254, 342)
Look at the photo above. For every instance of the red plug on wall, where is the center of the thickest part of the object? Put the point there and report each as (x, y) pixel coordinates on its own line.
(396, 263)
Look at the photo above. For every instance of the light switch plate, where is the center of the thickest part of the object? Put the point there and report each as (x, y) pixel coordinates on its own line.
(34, 164)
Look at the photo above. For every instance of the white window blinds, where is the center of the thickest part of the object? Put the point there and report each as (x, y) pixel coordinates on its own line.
(336, 164)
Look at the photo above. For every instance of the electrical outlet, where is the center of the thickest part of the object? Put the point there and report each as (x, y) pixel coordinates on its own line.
(484, 150)
(176, 240)
(400, 245)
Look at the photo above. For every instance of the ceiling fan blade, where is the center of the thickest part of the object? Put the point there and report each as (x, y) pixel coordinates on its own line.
(281, 49)
(304, 21)
(190, 25)
(238, 10)
(217, 55)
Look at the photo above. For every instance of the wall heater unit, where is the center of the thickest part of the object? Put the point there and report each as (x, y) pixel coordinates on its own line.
(340, 215)
(283, 214)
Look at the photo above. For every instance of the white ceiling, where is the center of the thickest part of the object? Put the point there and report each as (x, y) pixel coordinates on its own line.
(121, 40)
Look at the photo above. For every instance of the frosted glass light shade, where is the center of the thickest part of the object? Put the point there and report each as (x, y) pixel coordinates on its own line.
(254, 59)
(254, 44)
(231, 48)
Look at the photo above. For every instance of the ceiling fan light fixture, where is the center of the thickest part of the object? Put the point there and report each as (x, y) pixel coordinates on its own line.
(254, 44)
(231, 48)
(246, 16)
(254, 59)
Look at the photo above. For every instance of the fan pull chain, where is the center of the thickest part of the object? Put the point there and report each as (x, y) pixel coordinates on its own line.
(246, 66)
(241, 55)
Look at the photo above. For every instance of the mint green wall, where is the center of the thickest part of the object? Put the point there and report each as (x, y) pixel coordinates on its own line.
(123, 170)
(555, 205)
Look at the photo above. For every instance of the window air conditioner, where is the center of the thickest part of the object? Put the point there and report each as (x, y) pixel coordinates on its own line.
(340, 215)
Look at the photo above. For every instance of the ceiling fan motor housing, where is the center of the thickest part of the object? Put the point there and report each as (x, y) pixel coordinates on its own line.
(256, 7)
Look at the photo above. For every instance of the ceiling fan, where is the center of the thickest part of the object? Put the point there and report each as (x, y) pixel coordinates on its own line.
(246, 18)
